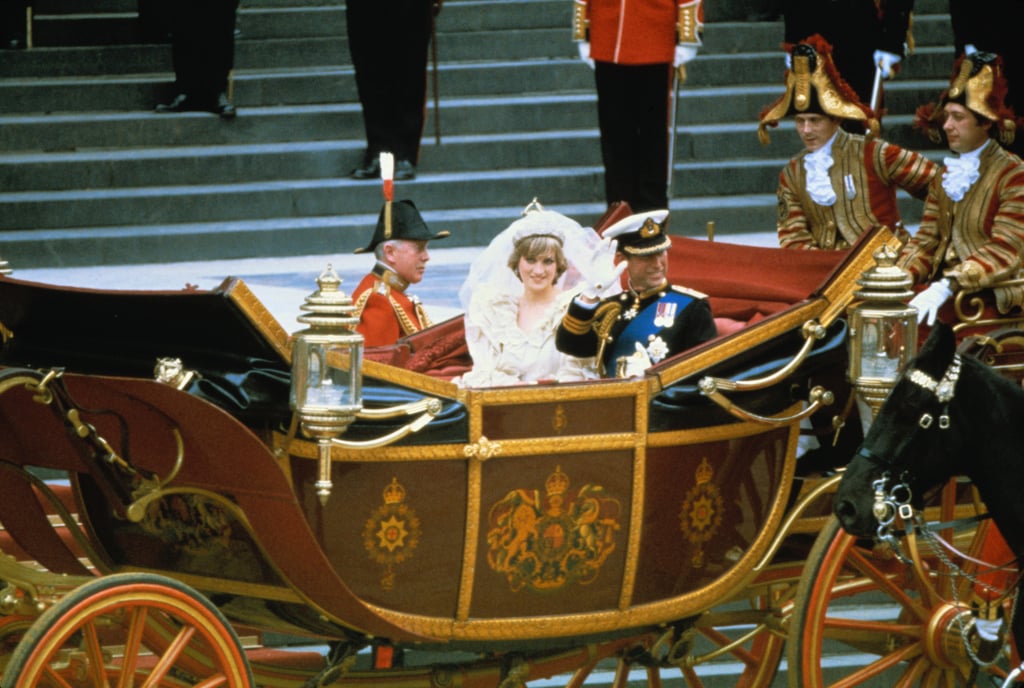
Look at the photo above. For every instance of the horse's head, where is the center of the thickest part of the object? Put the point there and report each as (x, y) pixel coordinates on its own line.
(909, 442)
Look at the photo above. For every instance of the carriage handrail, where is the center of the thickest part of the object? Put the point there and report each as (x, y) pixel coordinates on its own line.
(712, 387)
(812, 331)
(818, 397)
(428, 408)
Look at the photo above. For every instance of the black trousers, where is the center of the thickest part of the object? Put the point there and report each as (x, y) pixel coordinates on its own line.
(388, 43)
(12, 23)
(632, 112)
(202, 45)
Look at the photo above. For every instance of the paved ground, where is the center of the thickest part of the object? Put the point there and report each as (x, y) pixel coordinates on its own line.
(282, 284)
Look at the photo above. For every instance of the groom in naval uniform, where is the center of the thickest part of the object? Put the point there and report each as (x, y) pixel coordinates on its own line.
(646, 323)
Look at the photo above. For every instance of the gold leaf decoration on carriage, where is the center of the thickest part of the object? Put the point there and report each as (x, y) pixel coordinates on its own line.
(392, 532)
(701, 512)
(542, 545)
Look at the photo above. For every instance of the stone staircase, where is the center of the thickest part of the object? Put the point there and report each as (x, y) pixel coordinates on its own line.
(90, 175)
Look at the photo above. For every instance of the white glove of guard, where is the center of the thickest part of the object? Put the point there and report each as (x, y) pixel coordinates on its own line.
(886, 62)
(930, 300)
(969, 49)
(602, 275)
(684, 53)
(584, 48)
(789, 61)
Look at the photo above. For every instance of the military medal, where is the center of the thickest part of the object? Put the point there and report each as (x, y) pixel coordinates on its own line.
(666, 314)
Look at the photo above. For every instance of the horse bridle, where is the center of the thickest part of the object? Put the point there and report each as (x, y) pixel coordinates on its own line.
(893, 500)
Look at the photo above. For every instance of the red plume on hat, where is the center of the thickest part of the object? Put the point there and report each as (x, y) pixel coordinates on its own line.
(978, 83)
(814, 85)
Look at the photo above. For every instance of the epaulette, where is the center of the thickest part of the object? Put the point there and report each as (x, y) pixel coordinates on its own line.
(689, 292)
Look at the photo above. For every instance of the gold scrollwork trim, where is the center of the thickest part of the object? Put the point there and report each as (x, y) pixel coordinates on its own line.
(306, 449)
(731, 583)
(474, 478)
(253, 309)
(639, 441)
(635, 529)
(424, 384)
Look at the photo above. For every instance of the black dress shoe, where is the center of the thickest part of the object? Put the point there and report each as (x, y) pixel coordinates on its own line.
(370, 169)
(180, 103)
(405, 170)
(224, 107)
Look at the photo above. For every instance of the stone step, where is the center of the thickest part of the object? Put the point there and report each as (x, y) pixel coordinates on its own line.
(161, 240)
(88, 172)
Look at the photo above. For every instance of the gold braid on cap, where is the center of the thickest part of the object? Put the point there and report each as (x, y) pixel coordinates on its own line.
(813, 84)
(979, 85)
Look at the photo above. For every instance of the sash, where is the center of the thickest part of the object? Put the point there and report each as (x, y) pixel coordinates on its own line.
(656, 317)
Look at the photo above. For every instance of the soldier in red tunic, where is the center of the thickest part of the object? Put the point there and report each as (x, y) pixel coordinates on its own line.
(841, 184)
(633, 46)
(399, 243)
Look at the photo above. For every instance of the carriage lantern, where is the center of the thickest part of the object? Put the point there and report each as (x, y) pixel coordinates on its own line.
(883, 328)
(326, 391)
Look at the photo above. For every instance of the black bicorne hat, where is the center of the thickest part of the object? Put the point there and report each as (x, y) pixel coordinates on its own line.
(400, 220)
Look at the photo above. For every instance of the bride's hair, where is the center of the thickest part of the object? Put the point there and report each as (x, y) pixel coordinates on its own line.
(535, 246)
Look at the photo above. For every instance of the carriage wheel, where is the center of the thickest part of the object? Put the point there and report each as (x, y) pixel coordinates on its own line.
(861, 617)
(742, 637)
(747, 635)
(130, 629)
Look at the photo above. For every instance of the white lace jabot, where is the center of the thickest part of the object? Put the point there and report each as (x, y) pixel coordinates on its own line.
(819, 185)
(961, 173)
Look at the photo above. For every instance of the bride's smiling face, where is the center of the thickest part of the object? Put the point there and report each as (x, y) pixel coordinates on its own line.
(538, 272)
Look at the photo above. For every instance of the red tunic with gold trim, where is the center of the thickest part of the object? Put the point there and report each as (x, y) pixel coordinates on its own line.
(639, 31)
(865, 175)
(978, 240)
(385, 312)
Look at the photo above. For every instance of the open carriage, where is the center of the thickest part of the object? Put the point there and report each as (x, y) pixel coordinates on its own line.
(187, 531)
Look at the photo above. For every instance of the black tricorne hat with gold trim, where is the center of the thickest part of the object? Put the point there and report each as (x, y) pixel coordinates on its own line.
(979, 85)
(400, 220)
(814, 85)
(642, 234)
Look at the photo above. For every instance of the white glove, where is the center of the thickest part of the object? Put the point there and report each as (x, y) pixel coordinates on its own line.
(635, 364)
(789, 61)
(584, 48)
(886, 62)
(930, 300)
(969, 49)
(684, 53)
(602, 275)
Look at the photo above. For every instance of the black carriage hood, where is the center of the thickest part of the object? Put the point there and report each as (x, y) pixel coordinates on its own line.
(124, 333)
(225, 335)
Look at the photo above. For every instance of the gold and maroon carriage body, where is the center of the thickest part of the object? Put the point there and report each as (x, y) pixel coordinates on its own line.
(553, 523)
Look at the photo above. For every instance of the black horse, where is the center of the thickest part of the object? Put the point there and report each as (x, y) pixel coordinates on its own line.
(949, 414)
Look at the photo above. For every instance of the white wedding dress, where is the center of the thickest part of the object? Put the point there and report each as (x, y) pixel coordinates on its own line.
(504, 354)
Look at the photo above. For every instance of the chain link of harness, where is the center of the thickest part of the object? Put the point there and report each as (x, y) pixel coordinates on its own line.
(938, 546)
(890, 503)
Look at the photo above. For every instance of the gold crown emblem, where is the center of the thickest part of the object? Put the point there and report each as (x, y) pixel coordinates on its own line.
(394, 493)
(650, 228)
(557, 483)
(704, 472)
